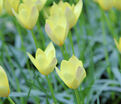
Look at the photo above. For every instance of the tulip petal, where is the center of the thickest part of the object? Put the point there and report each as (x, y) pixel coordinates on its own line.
(49, 48)
(1, 6)
(50, 34)
(31, 57)
(4, 85)
(78, 9)
(70, 17)
(51, 67)
(38, 52)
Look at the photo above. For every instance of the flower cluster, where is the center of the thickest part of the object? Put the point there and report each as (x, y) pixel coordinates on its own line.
(62, 17)
(72, 72)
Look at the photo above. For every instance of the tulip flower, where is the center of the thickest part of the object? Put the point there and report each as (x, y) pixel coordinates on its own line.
(118, 44)
(27, 15)
(72, 72)
(9, 4)
(1, 6)
(72, 13)
(117, 4)
(57, 29)
(39, 3)
(4, 85)
(45, 61)
(105, 4)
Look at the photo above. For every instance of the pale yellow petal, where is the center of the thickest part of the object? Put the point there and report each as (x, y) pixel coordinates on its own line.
(31, 58)
(51, 67)
(38, 52)
(1, 6)
(117, 4)
(71, 18)
(49, 48)
(4, 85)
(105, 4)
(78, 9)
(9, 4)
(50, 34)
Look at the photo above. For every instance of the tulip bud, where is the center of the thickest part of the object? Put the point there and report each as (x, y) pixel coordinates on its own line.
(57, 29)
(1, 6)
(27, 15)
(72, 72)
(105, 4)
(9, 4)
(45, 61)
(4, 85)
(118, 44)
(39, 3)
(117, 4)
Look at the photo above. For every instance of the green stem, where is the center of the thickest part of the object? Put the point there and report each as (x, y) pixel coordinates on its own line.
(120, 61)
(71, 41)
(42, 38)
(105, 43)
(34, 38)
(77, 96)
(51, 90)
(11, 101)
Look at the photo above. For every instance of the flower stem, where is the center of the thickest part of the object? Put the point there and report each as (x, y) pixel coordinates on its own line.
(51, 90)
(71, 41)
(34, 38)
(77, 96)
(11, 101)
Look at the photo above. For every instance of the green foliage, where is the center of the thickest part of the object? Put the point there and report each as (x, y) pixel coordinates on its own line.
(92, 41)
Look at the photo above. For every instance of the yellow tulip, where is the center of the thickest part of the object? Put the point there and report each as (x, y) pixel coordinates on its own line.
(4, 85)
(27, 15)
(1, 6)
(117, 4)
(72, 13)
(45, 61)
(9, 4)
(57, 29)
(118, 44)
(105, 4)
(72, 72)
(39, 3)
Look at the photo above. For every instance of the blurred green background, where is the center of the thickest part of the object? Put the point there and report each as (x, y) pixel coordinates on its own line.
(93, 40)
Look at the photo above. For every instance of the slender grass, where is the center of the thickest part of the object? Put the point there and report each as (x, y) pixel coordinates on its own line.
(71, 41)
(34, 38)
(51, 90)
(11, 101)
(77, 96)
(105, 44)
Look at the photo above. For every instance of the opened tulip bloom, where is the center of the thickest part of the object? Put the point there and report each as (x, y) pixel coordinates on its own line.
(39, 3)
(72, 72)
(45, 61)
(9, 4)
(118, 44)
(27, 15)
(4, 85)
(105, 4)
(71, 13)
(117, 4)
(57, 29)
